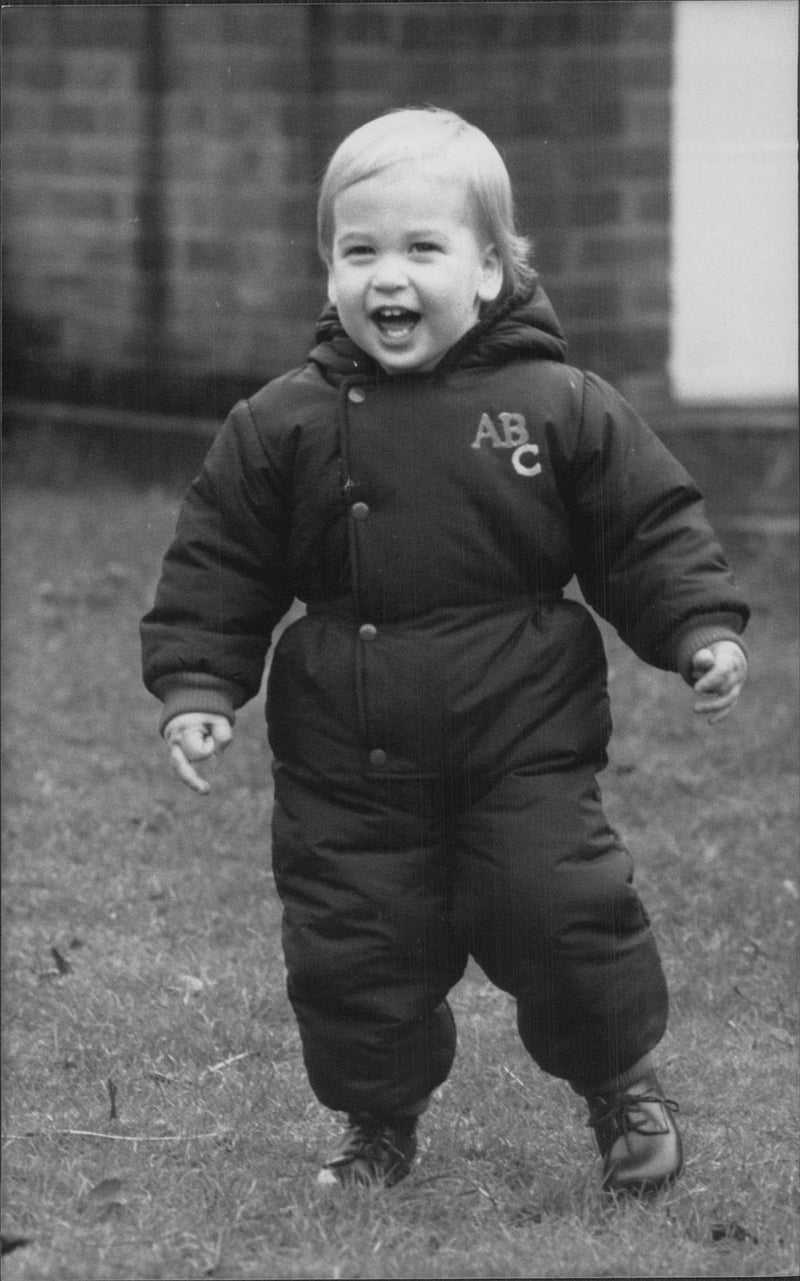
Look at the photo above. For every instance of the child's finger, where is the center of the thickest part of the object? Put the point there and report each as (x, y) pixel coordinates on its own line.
(710, 683)
(185, 771)
(703, 662)
(719, 706)
(716, 682)
(197, 743)
(222, 734)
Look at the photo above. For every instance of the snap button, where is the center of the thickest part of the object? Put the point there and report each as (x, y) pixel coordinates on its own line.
(367, 631)
(357, 395)
(377, 756)
(360, 511)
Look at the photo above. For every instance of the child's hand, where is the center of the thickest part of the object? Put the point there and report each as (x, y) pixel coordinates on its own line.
(194, 736)
(719, 671)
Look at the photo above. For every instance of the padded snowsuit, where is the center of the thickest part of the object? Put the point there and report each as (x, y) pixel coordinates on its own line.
(439, 715)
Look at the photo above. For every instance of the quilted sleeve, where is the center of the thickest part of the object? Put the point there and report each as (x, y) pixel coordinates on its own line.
(224, 583)
(647, 559)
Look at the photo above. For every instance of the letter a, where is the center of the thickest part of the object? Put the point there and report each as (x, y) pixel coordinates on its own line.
(487, 431)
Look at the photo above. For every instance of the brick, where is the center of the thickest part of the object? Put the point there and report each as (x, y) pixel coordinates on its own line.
(87, 204)
(282, 26)
(646, 347)
(602, 300)
(32, 334)
(46, 74)
(100, 71)
(555, 24)
(650, 202)
(590, 105)
(532, 159)
(596, 208)
(647, 116)
(649, 21)
(606, 161)
(540, 209)
(369, 24)
(26, 115)
(109, 26)
(550, 254)
(603, 248)
(648, 70)
(616, 351)
(25, 28)
(23, 201)
(261, 71)
(34, 155)
(209, 255)
(644, 162)
(649, 296)
(91, 158)
(72, 118)
(435, 27)
(360, 106)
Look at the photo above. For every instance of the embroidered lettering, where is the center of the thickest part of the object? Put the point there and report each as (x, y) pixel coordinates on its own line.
(487, 431)
(524, 458)
(526, 468)
(514, 430)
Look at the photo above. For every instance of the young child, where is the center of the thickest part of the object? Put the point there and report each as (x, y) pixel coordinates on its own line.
(427, 483)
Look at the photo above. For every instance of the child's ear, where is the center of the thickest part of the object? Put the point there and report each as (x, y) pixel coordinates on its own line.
(492, 275)
(331, 287)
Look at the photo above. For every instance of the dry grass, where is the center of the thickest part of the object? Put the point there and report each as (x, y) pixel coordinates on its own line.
(165, 989)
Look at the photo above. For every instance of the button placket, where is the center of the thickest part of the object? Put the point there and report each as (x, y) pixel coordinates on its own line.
(367, 632)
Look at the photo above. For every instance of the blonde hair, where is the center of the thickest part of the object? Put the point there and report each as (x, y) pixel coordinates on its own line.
(464, 152)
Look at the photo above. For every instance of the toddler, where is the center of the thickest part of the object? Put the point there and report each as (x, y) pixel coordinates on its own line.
(427, 483)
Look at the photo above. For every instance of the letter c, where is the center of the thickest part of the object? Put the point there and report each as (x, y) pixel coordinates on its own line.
(522, 468)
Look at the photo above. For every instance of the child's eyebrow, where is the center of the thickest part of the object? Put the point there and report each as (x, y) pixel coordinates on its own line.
(413, 233)
(353, 236)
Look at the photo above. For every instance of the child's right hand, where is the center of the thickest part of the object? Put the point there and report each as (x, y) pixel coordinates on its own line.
(195, 736)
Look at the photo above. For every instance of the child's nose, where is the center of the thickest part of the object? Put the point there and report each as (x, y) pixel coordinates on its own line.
(389, 272)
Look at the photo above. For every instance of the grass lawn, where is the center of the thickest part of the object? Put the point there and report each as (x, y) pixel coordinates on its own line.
(157, 1119)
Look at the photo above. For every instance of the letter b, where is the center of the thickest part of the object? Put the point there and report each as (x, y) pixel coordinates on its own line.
(514, 430)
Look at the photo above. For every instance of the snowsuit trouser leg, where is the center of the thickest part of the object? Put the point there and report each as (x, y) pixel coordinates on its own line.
(545, 897)
(369, 951)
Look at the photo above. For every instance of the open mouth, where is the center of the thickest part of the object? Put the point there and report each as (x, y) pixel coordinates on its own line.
(394, 323)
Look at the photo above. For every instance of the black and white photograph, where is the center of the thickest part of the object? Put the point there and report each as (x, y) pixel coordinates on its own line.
(400, 665)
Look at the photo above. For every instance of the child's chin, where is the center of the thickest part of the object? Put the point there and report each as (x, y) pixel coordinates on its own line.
(406, 361)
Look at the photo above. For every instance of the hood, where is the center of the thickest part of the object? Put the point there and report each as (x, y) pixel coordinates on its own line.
(525, 327)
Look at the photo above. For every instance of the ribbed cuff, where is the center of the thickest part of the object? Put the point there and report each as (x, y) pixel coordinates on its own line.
(697, 637)
(195, 692)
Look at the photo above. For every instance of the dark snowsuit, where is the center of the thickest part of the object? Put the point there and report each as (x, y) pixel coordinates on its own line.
(439, 715)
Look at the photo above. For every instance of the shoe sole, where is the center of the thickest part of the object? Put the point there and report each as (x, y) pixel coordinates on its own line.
(640, 1191)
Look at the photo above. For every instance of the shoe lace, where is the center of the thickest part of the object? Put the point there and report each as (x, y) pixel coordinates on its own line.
(367, 1138)
(626, 1112)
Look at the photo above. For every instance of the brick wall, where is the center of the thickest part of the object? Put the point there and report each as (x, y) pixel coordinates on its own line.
(160, 165)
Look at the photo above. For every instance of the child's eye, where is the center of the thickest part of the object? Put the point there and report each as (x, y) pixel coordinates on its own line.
(424, 247)
(357, 251)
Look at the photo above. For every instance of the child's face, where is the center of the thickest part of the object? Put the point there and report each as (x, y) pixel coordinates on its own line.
(407, 272)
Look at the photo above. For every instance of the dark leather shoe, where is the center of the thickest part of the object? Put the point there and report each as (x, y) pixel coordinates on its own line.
(373, 1152)
(637, 1137)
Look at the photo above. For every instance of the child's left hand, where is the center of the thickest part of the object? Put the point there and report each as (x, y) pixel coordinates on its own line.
(719, 671)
